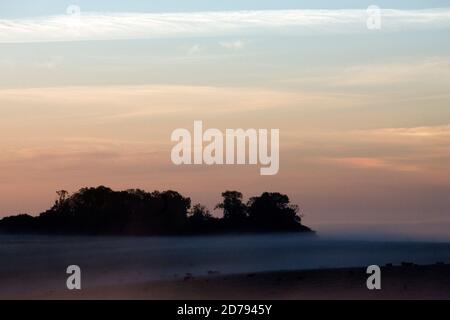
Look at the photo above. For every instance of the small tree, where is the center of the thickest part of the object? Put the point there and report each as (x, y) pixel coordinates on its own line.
(233, 207)
(62, 196)
(273, 210)
(199, 213)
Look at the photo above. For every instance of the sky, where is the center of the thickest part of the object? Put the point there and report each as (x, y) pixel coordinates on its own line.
(91, 91)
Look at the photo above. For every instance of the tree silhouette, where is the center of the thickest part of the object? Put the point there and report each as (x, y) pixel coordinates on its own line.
(273, 211)
(62, 197)
(102, 210)
(199, 213)
(234, 210)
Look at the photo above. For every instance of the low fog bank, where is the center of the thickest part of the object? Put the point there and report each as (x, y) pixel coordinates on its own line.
(438, 231)
(36, 261)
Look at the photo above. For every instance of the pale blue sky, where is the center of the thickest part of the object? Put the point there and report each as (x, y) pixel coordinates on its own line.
(363, 113)
(27, 8)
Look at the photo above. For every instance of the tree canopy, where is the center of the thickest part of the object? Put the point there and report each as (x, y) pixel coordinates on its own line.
(102, 210)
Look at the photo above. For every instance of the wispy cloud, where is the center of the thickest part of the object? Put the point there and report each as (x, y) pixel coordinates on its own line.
(194, 49)
(432, 69)
(421, 132)
(232, 45)
(375, 163)
(99, 26)
(362, 162)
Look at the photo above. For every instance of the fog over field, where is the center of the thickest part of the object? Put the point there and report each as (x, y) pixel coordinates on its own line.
(30, 263)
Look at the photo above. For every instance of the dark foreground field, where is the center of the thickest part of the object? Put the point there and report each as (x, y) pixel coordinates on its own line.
(398, 282)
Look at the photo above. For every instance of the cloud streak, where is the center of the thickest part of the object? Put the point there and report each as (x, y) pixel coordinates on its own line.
(106, 26)
(419, 132)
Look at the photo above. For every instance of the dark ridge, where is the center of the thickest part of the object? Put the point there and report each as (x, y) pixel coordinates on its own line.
(103, 211)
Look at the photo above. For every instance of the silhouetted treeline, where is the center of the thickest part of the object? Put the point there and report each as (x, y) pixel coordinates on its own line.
(136, 212)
